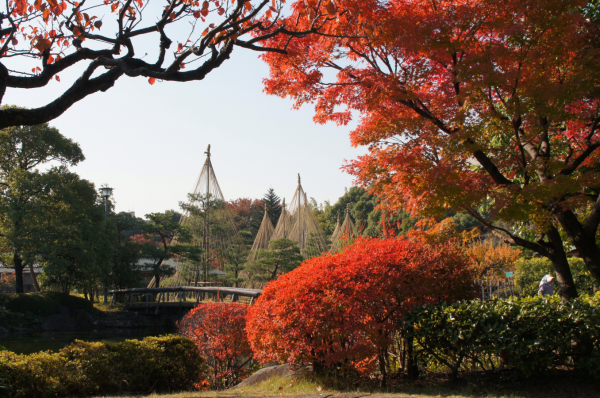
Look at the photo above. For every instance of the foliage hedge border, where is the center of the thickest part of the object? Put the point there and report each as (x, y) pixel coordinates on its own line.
(165, 363)
(43, 304)
(530, 334)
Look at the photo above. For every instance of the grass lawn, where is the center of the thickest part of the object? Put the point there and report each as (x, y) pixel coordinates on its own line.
(557, 384)
(100, 305)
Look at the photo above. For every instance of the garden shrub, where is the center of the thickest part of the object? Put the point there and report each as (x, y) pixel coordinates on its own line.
(43, 304)
(344, 308)
(73, 303)
(529, 273)
(218, 329)
(531, 334)
(83, 369)
(35, 303)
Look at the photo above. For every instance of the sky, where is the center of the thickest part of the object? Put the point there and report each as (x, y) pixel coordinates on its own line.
(148, 141)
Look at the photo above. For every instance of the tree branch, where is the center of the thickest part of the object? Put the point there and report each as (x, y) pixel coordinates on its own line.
(80, 89)
(593, 220)
(507, 236)
(580, 159)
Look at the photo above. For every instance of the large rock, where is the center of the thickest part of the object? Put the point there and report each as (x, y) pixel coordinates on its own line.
(284, 370)
(128, 320)
(83, 321)
(59, 322)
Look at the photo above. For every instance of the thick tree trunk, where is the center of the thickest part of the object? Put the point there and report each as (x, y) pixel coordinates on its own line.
(34, 279)
(412, 369)
(18, 262)
(584, 240)
(556, 254)
(383, 367)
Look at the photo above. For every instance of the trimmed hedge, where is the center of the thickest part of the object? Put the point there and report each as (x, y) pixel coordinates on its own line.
(35, 303)
(43, 304)
(529, 273)
(73, 303)
(163, 363)
(531, 335)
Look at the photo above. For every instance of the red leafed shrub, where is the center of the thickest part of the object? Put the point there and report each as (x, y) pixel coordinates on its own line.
(218, 329)
(346, 307)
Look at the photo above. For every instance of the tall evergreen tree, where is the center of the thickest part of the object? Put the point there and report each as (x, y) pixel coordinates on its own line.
(273, 204)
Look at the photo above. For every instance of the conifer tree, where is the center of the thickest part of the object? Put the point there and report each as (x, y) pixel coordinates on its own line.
(273, 204)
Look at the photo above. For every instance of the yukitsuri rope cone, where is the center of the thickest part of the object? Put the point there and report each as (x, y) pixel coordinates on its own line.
(343, 233)
(336, 231)
(263, 236)
(213, 229)
(298, 223)
(283, 229)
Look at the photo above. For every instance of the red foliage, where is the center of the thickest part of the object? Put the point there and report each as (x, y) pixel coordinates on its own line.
(243, 210)
(143, 239)
(219, 331)
(463, 104)
(7, 282)
(346, 306)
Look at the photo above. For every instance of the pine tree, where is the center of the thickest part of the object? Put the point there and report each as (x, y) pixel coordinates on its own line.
(272, 202)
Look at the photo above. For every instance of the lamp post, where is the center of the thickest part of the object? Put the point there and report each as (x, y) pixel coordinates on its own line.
(106, 192)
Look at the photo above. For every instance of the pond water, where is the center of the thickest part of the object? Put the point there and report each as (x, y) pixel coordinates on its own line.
(54, 341)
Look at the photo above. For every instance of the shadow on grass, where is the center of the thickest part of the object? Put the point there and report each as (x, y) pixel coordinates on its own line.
(507, 384)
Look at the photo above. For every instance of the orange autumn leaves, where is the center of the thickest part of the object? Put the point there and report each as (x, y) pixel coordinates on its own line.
(218, 331)
(437, 84)
(347, 306)
(334, 309)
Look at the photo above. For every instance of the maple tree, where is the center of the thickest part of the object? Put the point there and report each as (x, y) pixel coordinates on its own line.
(483, 106)
(7, 282)
(218, 329)
(486, 257)
(490, 259)
(304, 315)
(245, 212)
(40, 39)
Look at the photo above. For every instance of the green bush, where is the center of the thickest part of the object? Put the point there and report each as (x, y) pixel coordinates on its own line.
(529, 273)
(531, 334)
(73, 303)
(11, 320)
(83, 369)
(43, 304)
(35, 303)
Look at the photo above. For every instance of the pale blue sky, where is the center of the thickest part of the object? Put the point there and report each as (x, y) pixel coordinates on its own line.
(148, 142)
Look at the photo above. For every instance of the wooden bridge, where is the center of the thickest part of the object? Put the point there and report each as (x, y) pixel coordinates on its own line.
(150, 300)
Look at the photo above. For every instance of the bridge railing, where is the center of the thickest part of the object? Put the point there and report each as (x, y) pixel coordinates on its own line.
(148, 297)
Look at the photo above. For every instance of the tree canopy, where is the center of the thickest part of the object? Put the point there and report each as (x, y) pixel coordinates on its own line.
(282, 256)
(26, 192)
(482, 106)
(104, 40)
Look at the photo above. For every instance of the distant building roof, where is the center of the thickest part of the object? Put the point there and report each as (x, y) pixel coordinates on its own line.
(36, 268)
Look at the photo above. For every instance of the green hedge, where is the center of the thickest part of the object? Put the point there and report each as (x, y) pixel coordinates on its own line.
(43, 304)
(73, 303)
(529, 273)
(531, 335)
(163, 363)
(35, 303)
